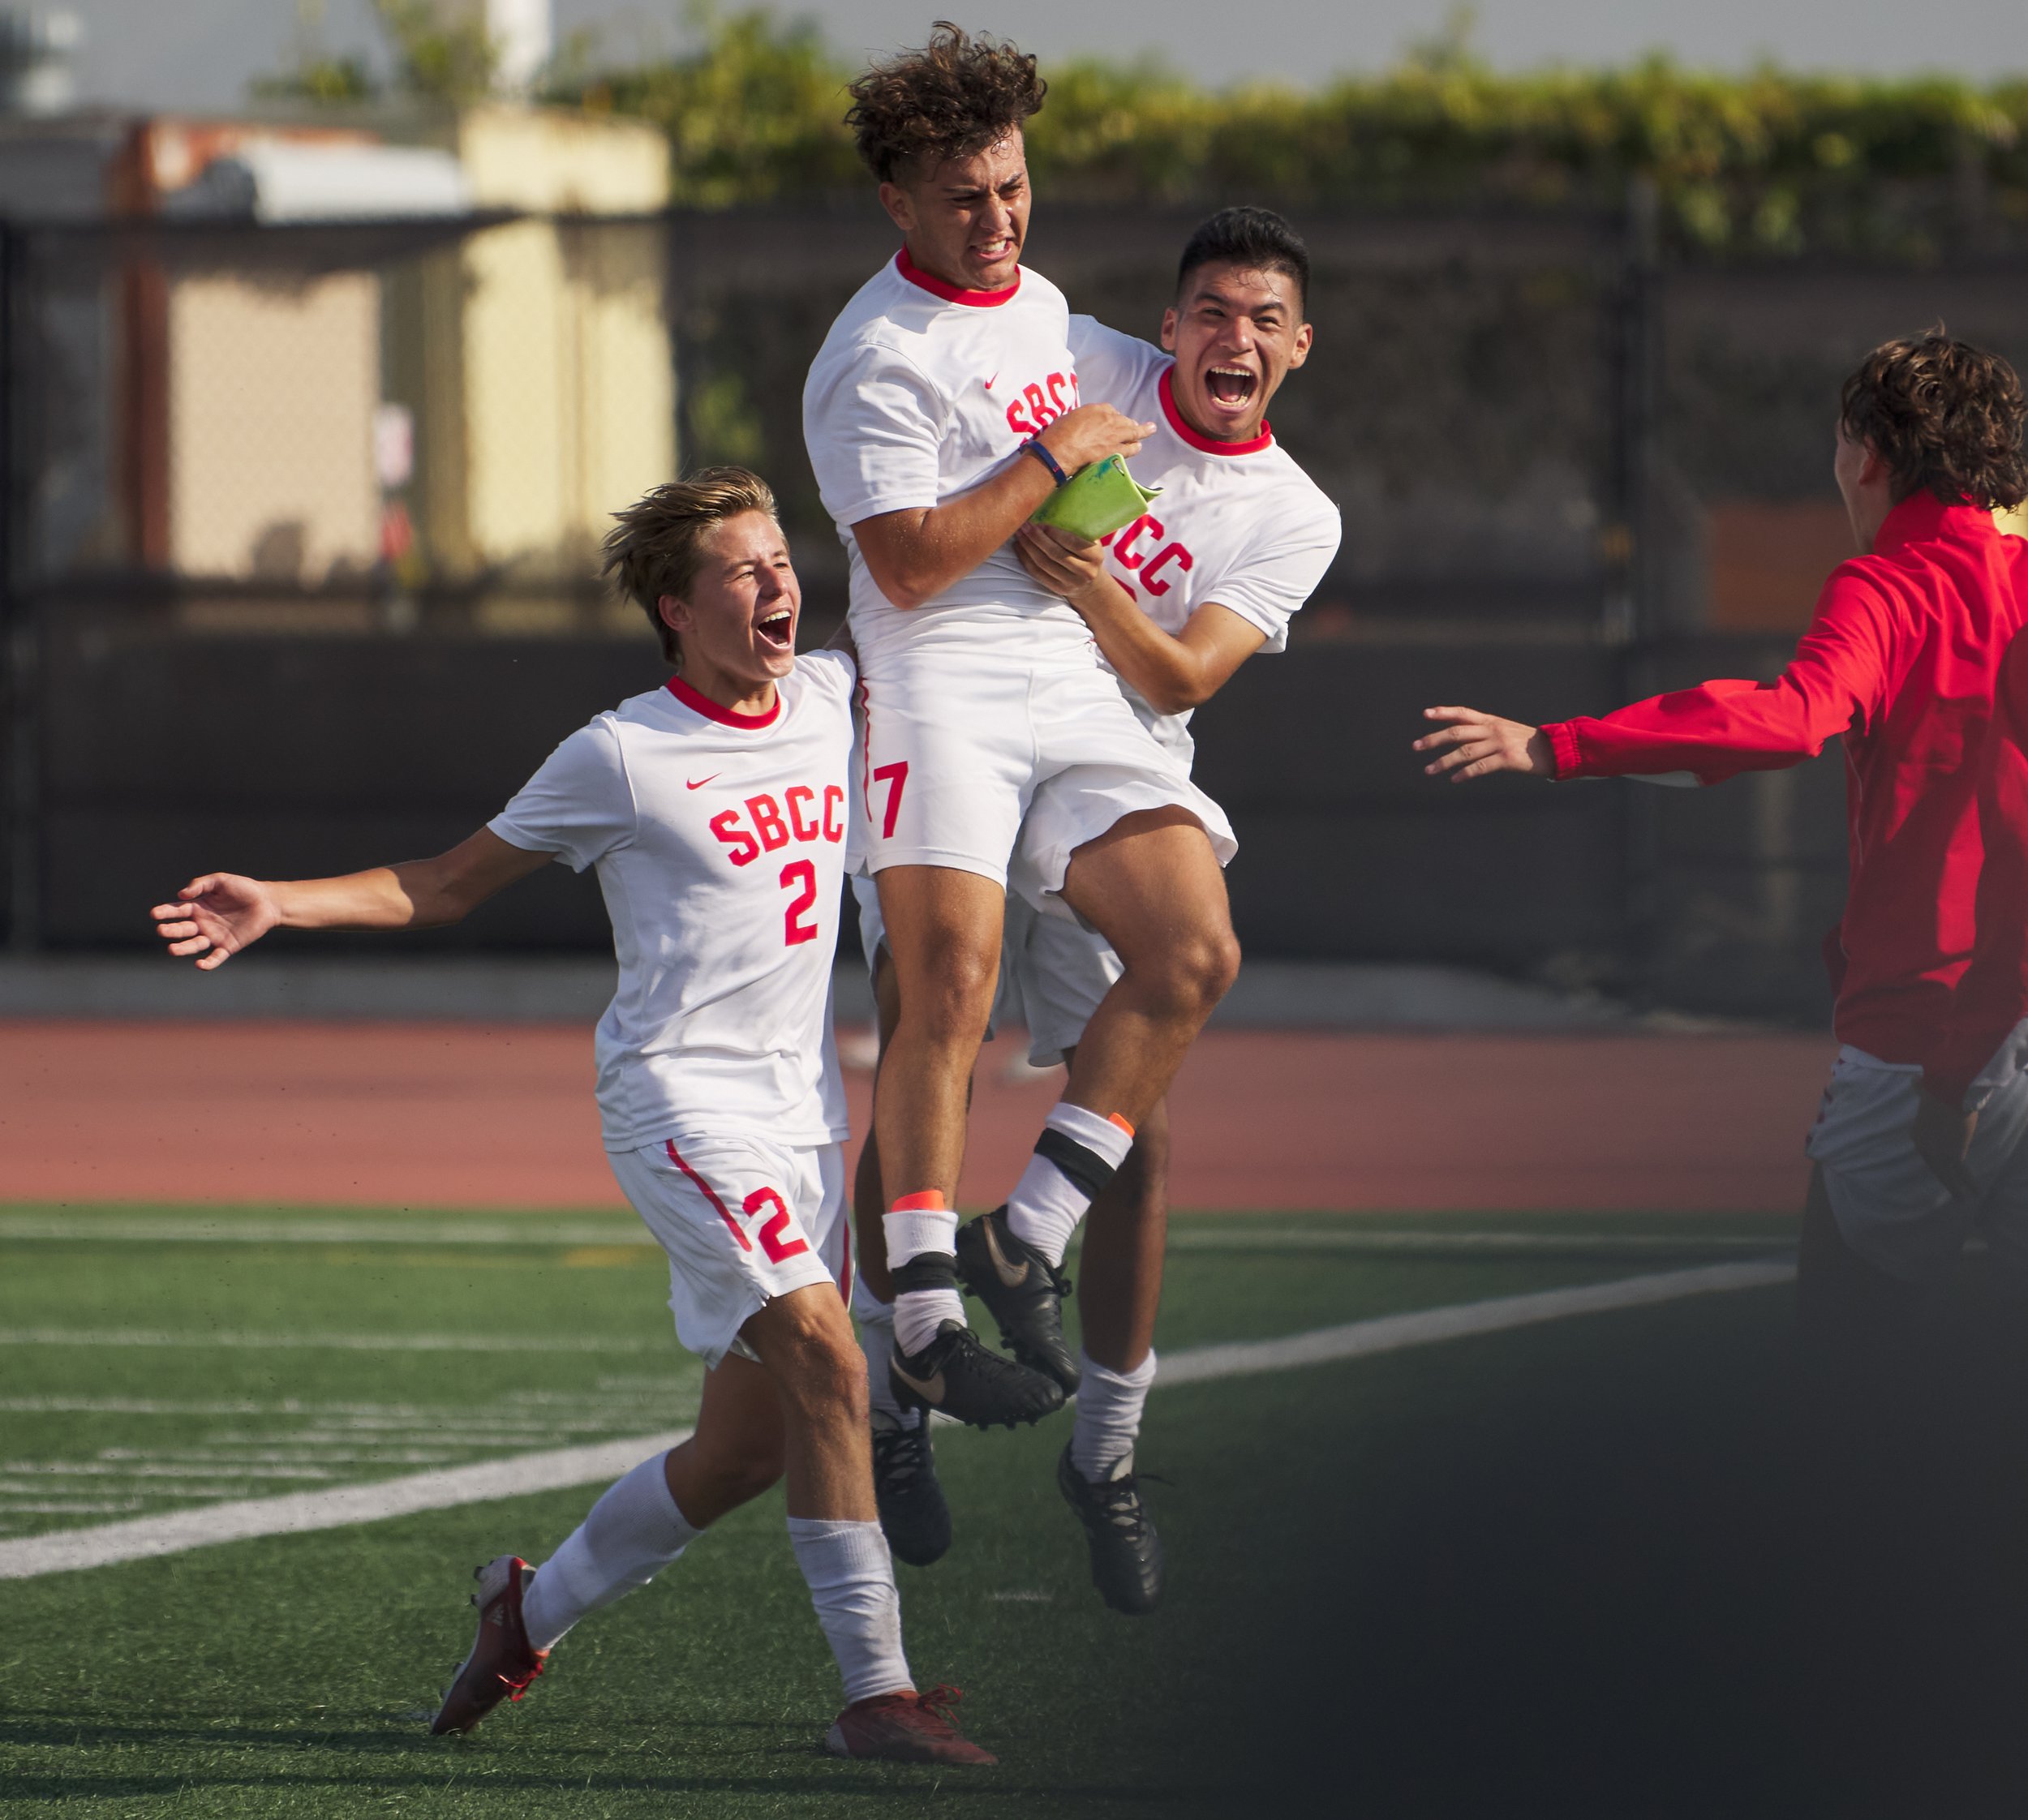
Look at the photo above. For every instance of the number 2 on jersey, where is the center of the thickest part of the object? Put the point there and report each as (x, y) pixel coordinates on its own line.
(796, 925)
(770, 1233)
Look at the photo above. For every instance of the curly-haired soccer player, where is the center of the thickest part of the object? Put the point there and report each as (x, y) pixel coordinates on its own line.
(1899, 661)
(942, 409)
(714, 811)
(1211, 572)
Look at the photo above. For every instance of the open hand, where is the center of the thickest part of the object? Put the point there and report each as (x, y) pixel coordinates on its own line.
(1943, 1134)
(1474, 744)
(1058, 561)
(215, 916)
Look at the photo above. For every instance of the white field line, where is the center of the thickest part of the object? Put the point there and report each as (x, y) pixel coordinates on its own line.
(298, 1512)
(1344, 1238)
(1239, 1237)
(1361, 1339)
(341, 1342)
(27, 1557)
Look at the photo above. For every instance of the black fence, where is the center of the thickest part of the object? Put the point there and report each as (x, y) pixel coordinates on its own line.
(300, 525)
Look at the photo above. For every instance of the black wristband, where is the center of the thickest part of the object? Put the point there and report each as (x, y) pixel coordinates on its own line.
(1034, 446)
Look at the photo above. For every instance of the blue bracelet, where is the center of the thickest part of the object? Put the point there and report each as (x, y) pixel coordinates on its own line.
(1034, 446)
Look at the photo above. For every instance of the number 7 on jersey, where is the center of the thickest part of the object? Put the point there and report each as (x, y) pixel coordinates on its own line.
(896, 777)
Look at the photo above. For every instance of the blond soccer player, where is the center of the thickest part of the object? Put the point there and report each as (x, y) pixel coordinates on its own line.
(714, 811)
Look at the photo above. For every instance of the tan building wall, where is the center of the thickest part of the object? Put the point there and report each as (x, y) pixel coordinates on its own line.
(272, 388)
(549, 398)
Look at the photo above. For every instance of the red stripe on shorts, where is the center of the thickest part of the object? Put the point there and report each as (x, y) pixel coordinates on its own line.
(866, 767)
(704, 1188)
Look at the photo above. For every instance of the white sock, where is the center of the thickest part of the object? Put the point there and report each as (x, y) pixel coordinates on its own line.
(1109, 1406)
(876, 1340)
(1078, 1153)
(631, 1534)
(851, 1581)
(922, 1242)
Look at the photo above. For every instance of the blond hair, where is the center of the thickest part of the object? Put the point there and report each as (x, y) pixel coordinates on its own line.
(656, 543)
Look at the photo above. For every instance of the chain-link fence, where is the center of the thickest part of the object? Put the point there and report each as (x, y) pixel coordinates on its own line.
(303, 522)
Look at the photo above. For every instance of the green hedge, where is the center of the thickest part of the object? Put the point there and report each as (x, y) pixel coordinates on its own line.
(1769, 162)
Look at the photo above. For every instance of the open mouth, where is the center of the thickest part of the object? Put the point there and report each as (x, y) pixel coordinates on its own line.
(1231, 386)
(778, 630)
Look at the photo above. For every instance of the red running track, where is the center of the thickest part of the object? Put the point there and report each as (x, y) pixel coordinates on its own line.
(467, 1115)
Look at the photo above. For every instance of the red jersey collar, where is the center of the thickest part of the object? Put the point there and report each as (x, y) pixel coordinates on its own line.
(705, 706)
(936, 287)
(1922, 516)
(1181, 426)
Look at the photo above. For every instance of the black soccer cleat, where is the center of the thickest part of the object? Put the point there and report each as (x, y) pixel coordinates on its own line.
(955, 1375)
(1023, 1292)
(1126, 1552)
(913, 1515)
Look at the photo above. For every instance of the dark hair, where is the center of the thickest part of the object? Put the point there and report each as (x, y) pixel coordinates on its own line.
(956, 97)
(654, 545)
(1256, 239)
(1942, 415)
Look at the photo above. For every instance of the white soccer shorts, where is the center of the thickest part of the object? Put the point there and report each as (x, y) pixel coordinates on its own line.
(1890, 1207)
(954, 757)
(743, 1221)
(1061, 969)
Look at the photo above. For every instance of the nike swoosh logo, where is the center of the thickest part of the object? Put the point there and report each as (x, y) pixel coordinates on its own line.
(700, 783)
(1007, 1273)
(930, 1390)
(989, 383)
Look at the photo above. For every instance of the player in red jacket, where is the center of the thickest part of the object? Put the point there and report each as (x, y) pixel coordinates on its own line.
(1900, 660)
(1972, 1123)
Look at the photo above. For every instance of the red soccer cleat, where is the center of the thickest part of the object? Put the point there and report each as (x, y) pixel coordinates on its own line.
(905, 1728)
(502, 1662)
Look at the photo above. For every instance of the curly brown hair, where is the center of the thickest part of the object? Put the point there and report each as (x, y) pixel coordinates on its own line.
(1943, 414)
(956, 97)
(655, 544)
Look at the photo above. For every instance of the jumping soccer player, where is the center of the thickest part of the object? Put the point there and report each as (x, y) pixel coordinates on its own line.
(942, 410)
(1900, 660)
(715, 811)
(1236, 541)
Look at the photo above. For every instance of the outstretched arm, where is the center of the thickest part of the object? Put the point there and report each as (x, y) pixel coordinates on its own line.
(1172, 672)
(215, 916)
(915, 556)
(1835, 683)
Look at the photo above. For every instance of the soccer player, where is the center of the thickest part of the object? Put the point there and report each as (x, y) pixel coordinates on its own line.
(715, 812)
(1971, 1121)
(1235, 542)
(1900, 660)
(942, 410)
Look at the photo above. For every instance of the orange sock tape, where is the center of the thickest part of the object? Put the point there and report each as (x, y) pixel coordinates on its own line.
(1114, 1118)
(930, 1200)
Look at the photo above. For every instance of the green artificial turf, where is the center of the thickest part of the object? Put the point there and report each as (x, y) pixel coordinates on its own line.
(1570, 1569)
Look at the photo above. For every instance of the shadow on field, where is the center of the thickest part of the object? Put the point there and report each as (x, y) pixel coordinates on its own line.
(445, 1763)
(1658, 1577)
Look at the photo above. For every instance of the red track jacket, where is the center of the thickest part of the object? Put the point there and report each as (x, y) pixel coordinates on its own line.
(1901, 659)
(1992, 996)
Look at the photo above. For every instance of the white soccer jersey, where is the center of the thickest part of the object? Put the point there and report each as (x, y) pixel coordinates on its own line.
(1237, 524)
(719, 841)
(920, 392)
